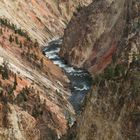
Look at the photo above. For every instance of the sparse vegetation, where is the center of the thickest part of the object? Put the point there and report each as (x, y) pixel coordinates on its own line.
(15, 81)
(21, 44)
(79, 8)
(23, 95)
(10, 39)
(37, 111)
(30, 49)
(109, 72)
(16, 40)
(1, 32)
(12, 26)
(4, 70)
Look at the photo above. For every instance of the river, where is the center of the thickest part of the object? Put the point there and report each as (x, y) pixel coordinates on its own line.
(80, 80)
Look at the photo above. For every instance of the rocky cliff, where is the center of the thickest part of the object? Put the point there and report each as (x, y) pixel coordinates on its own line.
(93, 34)
(43, 20)
(33, 91)
(112, 109)
(102, 37)
(31, 94)
(105, 39)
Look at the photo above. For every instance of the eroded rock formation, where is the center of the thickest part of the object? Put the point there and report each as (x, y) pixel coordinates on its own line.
(43, 20)
(105, 39)
(94, 32)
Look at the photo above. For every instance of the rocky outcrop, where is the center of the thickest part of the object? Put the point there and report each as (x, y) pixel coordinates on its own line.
(105, 39)
(43, 20)
(30, 95)
(17, 124)
(38, 107)
(112, 109)
(93, 34)
(45, 113)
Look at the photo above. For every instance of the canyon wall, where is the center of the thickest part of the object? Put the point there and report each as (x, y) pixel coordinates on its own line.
(43, 20)
(34, 96)
(93, 34)
(100, 33)
(112, 108)
(104, 38)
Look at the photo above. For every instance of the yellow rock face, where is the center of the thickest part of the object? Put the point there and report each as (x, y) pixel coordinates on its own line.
(43, 19)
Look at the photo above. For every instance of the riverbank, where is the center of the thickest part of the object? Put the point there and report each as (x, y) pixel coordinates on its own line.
(80, 80)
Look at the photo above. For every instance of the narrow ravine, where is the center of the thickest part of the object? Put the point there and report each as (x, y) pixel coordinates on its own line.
(80, 80)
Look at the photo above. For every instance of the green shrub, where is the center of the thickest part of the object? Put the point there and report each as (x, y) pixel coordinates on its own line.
(119, 70)
(109, 72)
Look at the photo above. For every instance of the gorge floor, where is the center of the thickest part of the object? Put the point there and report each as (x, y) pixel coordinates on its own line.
(80, 80)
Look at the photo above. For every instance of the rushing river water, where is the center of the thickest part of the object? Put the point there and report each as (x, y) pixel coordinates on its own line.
(80, 80)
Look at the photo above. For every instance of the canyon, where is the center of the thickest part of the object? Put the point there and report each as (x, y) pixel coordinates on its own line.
(43, 20)
(104, 38)
(34, 92)
(69, 70)
(92, 45)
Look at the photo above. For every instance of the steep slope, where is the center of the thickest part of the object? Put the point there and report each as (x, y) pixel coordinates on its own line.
(112, 108)
(33, 91)
(93, 34)
(44, 19)
(33, 101)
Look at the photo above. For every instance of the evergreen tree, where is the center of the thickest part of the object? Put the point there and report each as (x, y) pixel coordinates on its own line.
(16, 39)
(109, 72)
(5, 71)
(42, 62)
(21, 44)
(10, 39)
(15, 82)
(1, 32)
(36, 44)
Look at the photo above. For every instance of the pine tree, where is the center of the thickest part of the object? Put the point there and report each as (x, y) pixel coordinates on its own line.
(42, 62)
(16, 39)
(10, 39)
(15, 82)
(36, 44)
(1, 32)
(5, 72)
(21, 44)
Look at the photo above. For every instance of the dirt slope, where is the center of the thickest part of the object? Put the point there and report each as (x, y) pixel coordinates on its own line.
(43, 20)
